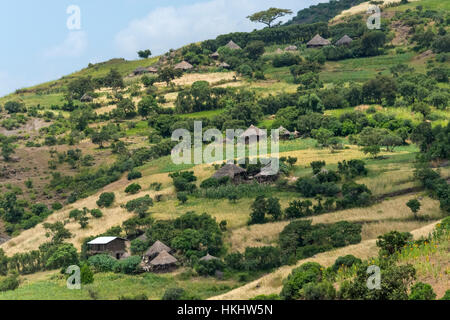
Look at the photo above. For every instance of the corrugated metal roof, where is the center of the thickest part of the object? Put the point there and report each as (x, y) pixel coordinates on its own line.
(102, 240)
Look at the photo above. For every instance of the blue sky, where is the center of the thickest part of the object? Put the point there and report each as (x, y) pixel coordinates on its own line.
(37, 45)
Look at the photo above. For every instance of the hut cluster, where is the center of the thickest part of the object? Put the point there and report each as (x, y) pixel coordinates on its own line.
(318, 42)
(158, 258)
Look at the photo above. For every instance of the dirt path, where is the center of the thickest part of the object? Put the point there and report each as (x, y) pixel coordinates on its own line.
(273, 282)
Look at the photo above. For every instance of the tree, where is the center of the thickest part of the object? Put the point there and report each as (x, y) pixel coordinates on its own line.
(273, 208)
(422, 291)
(255, 49)
(106, 199)
(144, 54)
(257, 216)
(57, 232)
(100, 137)
(14, 107)
(182, 197)
(393, 242)
(148, 105)
(127, 107)
(267, 17)
(169, 74)
(8, 148)
(414, 205)
(87, 276)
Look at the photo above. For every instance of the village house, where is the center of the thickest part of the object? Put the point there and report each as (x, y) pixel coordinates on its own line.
(184, 65)
(234, 172)
(164, 262)
(252, 135)
(233, 46)
(291, 48)
(114, 246)
(318, 42)
(344, 41)
(139, 71)
(86, 98)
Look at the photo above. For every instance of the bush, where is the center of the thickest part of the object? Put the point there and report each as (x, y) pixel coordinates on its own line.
(62, 256)
(446, 296)
(9, 283)
(209, 268)
(133, 175)
(393, 242)
(57, 206)
(174, 294)
(133, 188)
(96, 213)
(422, 291)
(87, 276)
(345, 261)
(138, 297)
(319, 291)
(130, 265)
(310, 272)
(102, 263)
(106, 199)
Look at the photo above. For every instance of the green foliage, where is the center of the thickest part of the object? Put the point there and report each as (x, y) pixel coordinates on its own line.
(129, 265)
(62, 256)
(414, 205)
(209, 268)
(267, 17)
(310, 272)
(96, 213)
(345, 261)
(87, 276)
(422, 291)
(106, 199)
(174, 294)
(102, 263)
(392, 242)
(133, 175)
(10, 282)
(133, 188)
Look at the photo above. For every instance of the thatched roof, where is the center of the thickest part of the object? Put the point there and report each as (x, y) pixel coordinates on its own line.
(140, 70)
(163, 259)
(284, 131)
(184, 65)
(142, 237)
(253, 131)
(318, 41)
(228, 170)
(279, 51)
(224, 65)
(291, 48)
(268, 171)
(344, 40)
(208, 257)
(86, 98)
(232, 45)
(152, 69)
(156, 248)
(214, 55)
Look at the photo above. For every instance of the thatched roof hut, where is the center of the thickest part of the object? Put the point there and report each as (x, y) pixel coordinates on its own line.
(86, 98)
(163, 261)
(214, 55)
(140, 70)
(317, 42)
(156, 249)
(224, 65)
(268, 174)
(253, 134)
(152, 70)
(184, 65)
(345, 40)
(230, 170)
(208, 257)
(291, 48)
(232, 45)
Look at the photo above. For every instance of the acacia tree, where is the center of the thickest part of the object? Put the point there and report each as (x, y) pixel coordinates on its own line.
(144, 54)
(267, 17)
(414, 205)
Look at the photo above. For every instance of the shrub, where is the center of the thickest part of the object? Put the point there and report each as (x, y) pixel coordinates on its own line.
(319, 291)
(62, 256)
(310, 272)
(133, 175)
(133, 188)
(138, 297)
(209, 268)
(106, 199)
(422, 291)
(87, 276)
(130, 265)
(57, 206)
(345, 261)
(393, 242)
(9, 283)
(102, 263)
(174, 294)
(96, 213)
(446, 296)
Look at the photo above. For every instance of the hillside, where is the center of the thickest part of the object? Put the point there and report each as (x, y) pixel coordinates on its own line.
(364, 151)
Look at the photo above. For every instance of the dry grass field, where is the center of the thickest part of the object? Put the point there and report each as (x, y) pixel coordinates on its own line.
(273, 282)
